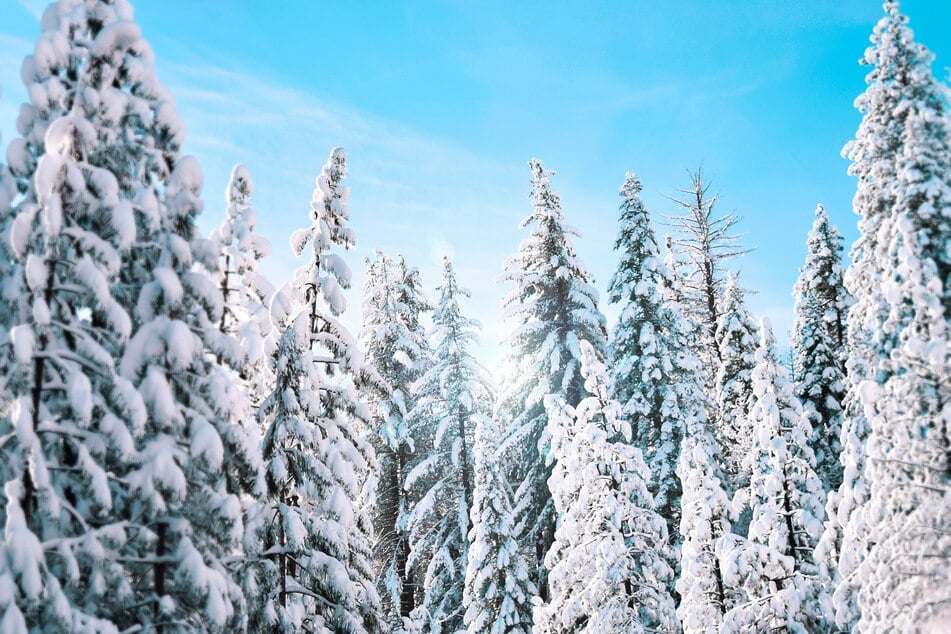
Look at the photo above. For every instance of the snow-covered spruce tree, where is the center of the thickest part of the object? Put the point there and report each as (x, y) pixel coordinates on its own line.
(909, 507)
(454, 390)
(69, 432)
(54, 74)
(908, 467)
(900, 88)
(737, 336)
(394, 342)
(775, 565)
(819, 344)
(608, 564)
(552, 308)
(654, 293)
(652, 366)
(313, 570)
(706, 242)
(193, 455)
(705, 518)
(498, 591)
(246, 290)
(246, 323)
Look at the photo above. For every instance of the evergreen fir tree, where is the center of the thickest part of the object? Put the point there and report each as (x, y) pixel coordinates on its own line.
(395, 346)
(651, 361)
(498, 590)
(246, 290)
(737, 335)
(62, 539)
(552, 307)
(608, 565)
(706, 514)
(448, 397)
(775, 564)
(53, 76)
(819, 344)
(245, 323)
(900, 89)
(193, 456)
(314, 564)
(909, 461)
(92, 66)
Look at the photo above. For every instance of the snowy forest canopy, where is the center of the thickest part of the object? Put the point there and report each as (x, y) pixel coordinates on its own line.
(189, 446)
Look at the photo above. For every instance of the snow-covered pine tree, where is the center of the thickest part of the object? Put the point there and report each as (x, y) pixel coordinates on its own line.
(92, 65)
(552, 308)
(245, 325)
(705, 518)
(775, 564)
(608, 564)
(193, 456)
(498, 591)
(706, 242)
(908, 514)
(313, 570)
(60, 548)
(900, 89)
(51, 75)
(394, 342)
(651, 364)
(737, 336)
(246, 290)
(454, 390)
(819, 344)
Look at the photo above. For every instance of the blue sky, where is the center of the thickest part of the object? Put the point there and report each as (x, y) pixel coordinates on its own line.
(441, 105)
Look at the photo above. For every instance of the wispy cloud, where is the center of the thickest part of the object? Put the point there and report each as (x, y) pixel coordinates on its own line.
(411, 193)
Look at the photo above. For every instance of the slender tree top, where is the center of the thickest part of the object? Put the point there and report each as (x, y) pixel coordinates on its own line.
(704, 235)
(553, 303)
(325, 274)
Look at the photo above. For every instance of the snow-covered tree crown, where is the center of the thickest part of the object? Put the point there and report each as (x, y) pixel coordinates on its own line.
(326, 273)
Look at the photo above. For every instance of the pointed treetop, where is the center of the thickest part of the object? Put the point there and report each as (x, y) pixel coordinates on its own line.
(632, 185)
(546, 202)
(240, 187)
(767, 338)
(329, 203)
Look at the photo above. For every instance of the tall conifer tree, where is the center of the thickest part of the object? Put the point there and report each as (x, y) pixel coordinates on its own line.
(908, 462)
(498, 592)
(609, 565)
(314, 571)
(901, 95)
(737, 337)
(552, 308)
(775, 565)
(396, 348)
(449, 396)
(652, 364)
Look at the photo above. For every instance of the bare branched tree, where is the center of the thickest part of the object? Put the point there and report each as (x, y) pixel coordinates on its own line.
(706, 241)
